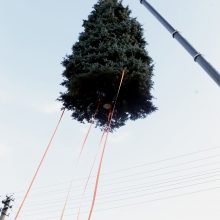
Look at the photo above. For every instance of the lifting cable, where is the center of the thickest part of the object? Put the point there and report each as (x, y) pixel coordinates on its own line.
(39, 166)
(111, 113)
(78, 159)
(88, 132)
(90, 174)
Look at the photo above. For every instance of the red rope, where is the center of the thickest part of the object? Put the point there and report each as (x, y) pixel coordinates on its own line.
(90, 174)
(71, 183)
(79, 156)
(110, 117)
(98, 177)
(88, 132)
(39, 166)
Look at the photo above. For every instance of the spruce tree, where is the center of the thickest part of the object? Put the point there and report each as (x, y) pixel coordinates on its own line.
(111, 41)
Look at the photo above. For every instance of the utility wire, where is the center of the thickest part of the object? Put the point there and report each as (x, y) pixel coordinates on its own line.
(143, 186)
(164, 160)
(136, 204)
(144, 175)
(132, 195)
(124, 170)
(155, 170)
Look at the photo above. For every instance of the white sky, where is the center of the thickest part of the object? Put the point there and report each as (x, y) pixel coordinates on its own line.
(35, 35)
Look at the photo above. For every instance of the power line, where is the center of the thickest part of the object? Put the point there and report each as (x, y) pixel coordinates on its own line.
(46, 206)
(129, 168)
(138, 166)
(166, 159)
(137, 203)
(139, 176)
(104, 185)
(153, 184)
(105, 198)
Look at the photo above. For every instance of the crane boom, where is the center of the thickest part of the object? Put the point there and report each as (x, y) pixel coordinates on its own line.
(213, 73)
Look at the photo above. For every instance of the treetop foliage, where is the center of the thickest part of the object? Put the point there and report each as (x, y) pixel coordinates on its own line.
(112, 41)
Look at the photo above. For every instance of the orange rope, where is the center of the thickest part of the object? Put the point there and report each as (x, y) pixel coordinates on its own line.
(79, 156)
(98, 177)
(90, 173)
(39, 166)
(104, 147)
(119, 88)
(88, 132)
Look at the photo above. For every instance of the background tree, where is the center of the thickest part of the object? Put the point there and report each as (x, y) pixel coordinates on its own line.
(111, 41)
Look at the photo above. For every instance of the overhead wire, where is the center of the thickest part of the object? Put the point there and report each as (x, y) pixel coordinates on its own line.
(154, 175)
(158, 192)
(165, 173)
(140, 192)
(133, 204)
(123, 170)
(102, 196)
(104, 185)
(131, 192)
(167, 167)
(166, 159)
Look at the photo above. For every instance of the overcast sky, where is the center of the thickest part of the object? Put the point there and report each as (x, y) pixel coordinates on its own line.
(166, 166)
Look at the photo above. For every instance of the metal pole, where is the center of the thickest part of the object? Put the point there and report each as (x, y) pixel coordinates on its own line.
(213, 73)
(7, 206)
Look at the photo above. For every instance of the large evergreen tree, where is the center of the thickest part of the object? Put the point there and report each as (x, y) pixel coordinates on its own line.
(111, 41)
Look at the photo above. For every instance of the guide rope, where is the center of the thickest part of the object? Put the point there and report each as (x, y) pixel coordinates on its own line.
(77, 161)
(39, 166)
(90, 174)
(110, 116)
